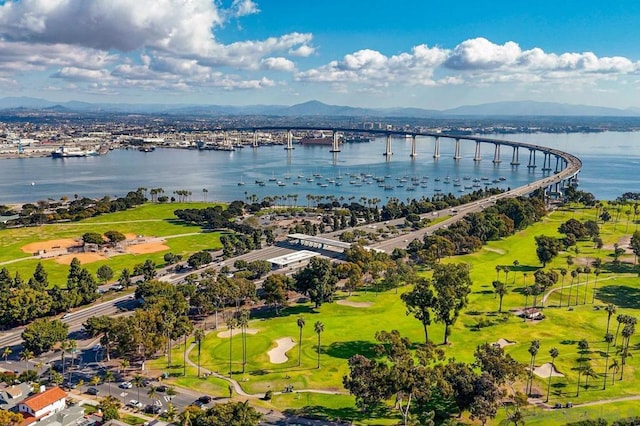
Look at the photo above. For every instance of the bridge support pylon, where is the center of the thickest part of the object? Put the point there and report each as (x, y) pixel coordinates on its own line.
(387, 151)
(532, 159)
(254, 144)
(436, 149)
(414, 154)
(515, 160)
(546, 166)
(289, 146)
(496, 155)
(335, 147)
(456, 155)
(477, 156)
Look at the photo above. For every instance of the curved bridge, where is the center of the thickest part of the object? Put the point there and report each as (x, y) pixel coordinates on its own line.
(565, 172)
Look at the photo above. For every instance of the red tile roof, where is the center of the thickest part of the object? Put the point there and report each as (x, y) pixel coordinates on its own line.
(41, 400)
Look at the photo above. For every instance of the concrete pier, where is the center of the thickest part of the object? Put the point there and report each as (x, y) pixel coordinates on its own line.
(456, 155)
(532, 159)
(496, 154)
(255, 139)
(335, 147)
(414, 154)
(388, 152)
(546, 165)
(436, 149)
(289, 146)
(477, 156)
(515, 160)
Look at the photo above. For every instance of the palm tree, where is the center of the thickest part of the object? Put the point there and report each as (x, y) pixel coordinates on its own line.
(587, 271)
(318, 327)
(500, 289)
(607, 338)
(595, 284)
(628, 331)
(563, 272)
(611, 309)
(574, 274)
(25, 356)
(138, 382)
(243, 323)
(107, 377)
(554, 354)
(231, 324)
(73, 348)
(533, 351)
(301, 324)
(124, 364)
(6, 352)
(199, 336)
(589, 372)
(95, 380)
(615, 366)
(516, 263)
(153, 393)
(622, 319)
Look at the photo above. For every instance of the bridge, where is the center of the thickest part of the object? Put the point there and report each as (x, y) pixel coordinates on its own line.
(565, 170)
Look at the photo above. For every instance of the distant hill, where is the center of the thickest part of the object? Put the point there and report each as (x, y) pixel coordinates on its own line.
(524, 108)
(316, 108)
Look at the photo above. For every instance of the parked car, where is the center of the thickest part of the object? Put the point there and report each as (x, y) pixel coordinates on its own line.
(152, 409)
(161, 388)
(93, 391)
(125, 385)
(134, 403)
(205, 399)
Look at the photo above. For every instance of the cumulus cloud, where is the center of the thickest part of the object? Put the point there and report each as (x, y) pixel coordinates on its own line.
(474, 61)
(369, 65)
(277, 64)
(244, 8)
(302, 51)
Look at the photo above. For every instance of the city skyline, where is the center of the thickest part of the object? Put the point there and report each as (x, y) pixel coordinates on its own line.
(246, 52)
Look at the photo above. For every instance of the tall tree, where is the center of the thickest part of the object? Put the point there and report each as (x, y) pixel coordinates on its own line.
(318, 281)
(232, 322)
(547, 248)
(501, 290)
(553, 352)
(533, 351)
(419, 301)
(611, 310)
(300, 322)
(452, 284)
(318, 327)
(199, 336)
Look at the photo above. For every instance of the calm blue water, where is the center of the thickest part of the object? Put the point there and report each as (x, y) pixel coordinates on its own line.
(611, 167)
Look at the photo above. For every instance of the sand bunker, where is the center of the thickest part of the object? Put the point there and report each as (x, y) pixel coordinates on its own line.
(354, 304)
(50, 245)
(278, 355)
(236, 331)
(504, 342)
(82, 257)
(546, 368)
(146, 248)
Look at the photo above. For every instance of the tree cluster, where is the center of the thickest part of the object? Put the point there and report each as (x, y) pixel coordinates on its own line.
(424, 387)
(22, 302)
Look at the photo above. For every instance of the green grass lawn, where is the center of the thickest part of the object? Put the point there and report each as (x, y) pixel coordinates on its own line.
(350, 331)
(148, 220)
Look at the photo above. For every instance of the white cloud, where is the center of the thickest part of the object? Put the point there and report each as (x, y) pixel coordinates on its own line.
(277, 64)
(369, 65)
(302, 51)
(244, 8)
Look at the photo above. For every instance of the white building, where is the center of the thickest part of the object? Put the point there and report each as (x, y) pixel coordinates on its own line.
(43, 404)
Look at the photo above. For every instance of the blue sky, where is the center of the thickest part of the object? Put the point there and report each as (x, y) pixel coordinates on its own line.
(427, 54)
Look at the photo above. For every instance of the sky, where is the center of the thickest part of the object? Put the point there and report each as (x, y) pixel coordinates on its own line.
(369, 53)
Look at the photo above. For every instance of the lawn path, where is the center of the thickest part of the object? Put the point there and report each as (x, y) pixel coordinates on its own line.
(20, 259)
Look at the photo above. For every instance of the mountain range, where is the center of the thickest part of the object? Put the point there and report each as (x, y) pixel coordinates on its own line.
(316, 108)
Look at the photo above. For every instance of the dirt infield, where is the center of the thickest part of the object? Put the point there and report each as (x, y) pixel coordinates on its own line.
(130, 236)
(146, 248)
(50, 245)
(84, 258)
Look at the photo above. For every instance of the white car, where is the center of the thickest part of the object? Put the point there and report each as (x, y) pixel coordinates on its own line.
(125, 385)
(134, 403)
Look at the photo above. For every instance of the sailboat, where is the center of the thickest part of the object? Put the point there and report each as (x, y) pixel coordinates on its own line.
(241, 183)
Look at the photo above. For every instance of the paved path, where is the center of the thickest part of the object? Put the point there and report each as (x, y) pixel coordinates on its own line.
(553, 290)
